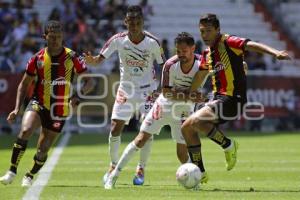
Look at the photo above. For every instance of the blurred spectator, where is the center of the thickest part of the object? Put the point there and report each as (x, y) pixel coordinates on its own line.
(20, 29)
(24, 3)
(35, 28)
(255, 61)
(7, 64)
(147, 9)
(55, 14)
(25, 54)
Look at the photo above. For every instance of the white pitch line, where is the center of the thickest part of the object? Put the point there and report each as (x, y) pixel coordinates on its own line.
(33, 193)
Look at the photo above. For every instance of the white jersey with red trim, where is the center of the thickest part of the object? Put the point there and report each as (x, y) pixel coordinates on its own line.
(136, 60)
(175, 78)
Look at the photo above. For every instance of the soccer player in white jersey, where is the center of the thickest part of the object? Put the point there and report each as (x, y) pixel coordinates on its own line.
(137, 51)
(181, 79)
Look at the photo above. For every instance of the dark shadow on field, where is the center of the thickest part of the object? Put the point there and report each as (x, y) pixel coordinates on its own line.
(175, 188)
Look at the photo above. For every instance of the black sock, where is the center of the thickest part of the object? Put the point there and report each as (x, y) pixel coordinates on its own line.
(38, 164)
(196, 156)
(17, 153)
(218, 137)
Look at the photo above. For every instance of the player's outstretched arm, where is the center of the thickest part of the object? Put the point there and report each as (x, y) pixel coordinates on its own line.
(93, 60)
(263, 48)
(21, 94)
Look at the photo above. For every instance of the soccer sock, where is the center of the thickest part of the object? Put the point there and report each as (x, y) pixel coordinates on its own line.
(145, 153)
(17, 153)
(127, 155)
(196, 156)
(218, 137)
(114, 144)
(37, 165)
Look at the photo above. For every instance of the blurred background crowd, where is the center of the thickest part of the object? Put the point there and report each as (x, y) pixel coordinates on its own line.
(89, 23)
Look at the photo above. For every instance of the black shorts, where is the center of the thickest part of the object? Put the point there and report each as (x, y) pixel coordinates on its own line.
(45, 116)
(227, 108)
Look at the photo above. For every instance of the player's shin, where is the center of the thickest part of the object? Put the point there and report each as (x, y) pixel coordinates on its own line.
(37, 165)
(145, 153)
(196, 156)
(127, 155)
(114, 144)
(17, 153)
(218, 137)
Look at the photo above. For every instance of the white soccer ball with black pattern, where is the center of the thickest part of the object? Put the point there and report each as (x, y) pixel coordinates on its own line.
(188, 175)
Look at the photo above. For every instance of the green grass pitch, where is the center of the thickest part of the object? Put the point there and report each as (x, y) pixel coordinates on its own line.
(268, 168)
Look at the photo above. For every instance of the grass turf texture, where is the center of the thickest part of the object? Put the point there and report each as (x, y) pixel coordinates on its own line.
(268, 168)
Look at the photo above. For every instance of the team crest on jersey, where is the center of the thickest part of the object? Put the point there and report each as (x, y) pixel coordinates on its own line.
(35, 107)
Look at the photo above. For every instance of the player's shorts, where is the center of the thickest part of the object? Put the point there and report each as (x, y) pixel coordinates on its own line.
(227, 108)
(45, 116)
(126, 105)
(158, 117)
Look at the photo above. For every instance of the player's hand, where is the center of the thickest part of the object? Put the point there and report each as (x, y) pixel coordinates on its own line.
(74, 101)
(89, 58)
(197, 97)
(12, 116)
(283, 55)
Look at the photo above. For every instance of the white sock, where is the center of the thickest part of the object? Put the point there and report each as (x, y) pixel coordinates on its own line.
(145, 153)
(114, 144)
(128, 153)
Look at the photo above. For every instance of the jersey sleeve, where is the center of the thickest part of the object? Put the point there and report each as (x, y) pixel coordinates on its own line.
(203, 61)
(31, 67)
(79, 64)
(109, 47)
(237, 42)
(158, 53)
(166, 80)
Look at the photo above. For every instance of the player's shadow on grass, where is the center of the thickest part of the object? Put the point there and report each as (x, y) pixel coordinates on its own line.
(248, 190)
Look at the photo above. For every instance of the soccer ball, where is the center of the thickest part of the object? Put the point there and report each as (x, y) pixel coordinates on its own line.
(188, 175)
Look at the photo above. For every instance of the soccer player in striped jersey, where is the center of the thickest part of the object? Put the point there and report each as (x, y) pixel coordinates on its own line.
(137, 51)
(224, 60)
(180, 81)
(54, 68)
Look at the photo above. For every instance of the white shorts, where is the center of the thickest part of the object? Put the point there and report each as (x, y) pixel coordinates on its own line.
(126, 105)
(158, 117)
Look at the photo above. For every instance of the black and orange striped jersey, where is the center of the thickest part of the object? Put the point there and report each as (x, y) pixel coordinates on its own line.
(224, 60)
(54, 78)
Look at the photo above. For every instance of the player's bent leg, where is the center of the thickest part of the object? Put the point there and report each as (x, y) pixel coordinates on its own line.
(46, 139)
(30, 122)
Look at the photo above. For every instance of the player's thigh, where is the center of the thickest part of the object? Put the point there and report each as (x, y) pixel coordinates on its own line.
(201, 120)
(30, 121)
(124, 110)
(151, 124)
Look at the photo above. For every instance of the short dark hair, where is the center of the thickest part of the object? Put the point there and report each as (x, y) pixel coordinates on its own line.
(185, 37)
(134, 11)
(210, 19)
(54, 26)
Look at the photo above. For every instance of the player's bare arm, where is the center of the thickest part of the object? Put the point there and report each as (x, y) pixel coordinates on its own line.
(87, 87)
(93, 60)
(21, 94)
(263, 48)
(198, 82)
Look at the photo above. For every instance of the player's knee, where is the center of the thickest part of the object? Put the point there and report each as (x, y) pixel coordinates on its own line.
(141, 139)
(116, 128)
(189, 125)
(26, 132)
